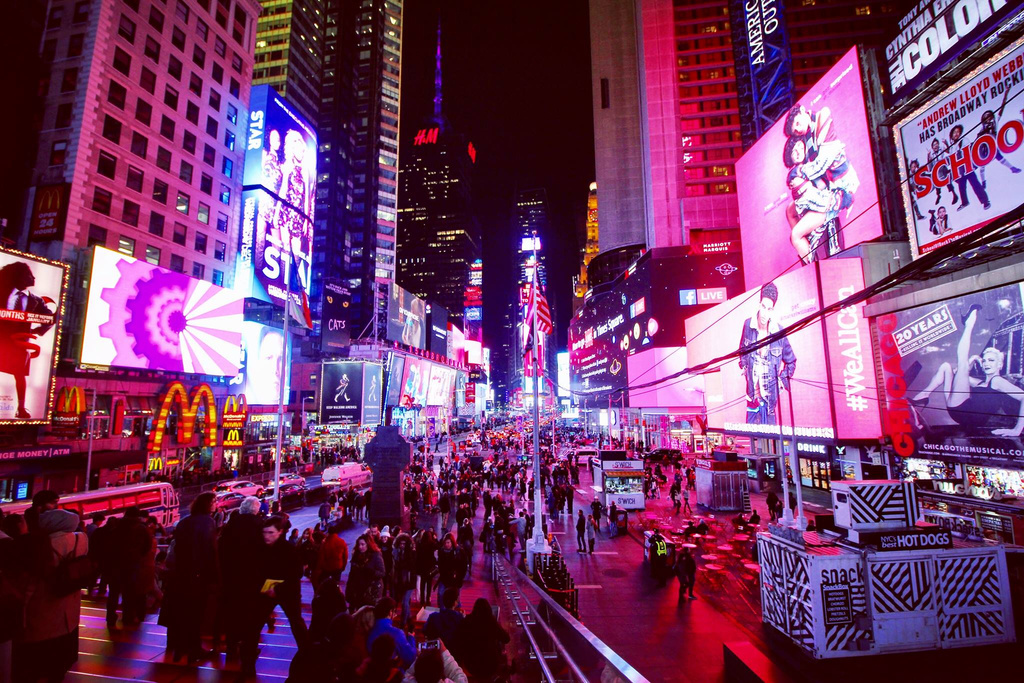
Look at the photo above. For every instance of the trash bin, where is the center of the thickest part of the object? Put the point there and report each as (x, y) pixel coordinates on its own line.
(621, 520)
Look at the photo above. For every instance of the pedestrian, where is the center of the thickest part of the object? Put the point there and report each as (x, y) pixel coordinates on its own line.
(366, 575)
(404, 561)
(324, 513)
(380, 665)
(47, 646)
(686, 501)
(581, 533)
(426, 564)
(443, 624)
(686, 572)
(772, 501)
(657, 555)
(239, 548)
(191, 575)
(466, 540)
(480, 643)
(591, 533)
(613, 520)
(405, 643)
(451, 567)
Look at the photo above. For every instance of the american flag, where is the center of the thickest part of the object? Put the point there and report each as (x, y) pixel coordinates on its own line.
(538, 305)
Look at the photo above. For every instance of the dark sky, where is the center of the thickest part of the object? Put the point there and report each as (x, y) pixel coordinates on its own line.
(517, 83)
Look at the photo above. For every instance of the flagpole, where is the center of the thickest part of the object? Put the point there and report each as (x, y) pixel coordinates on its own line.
(539, 544)
(280, 378)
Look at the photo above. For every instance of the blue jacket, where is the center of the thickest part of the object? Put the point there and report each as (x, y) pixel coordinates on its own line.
(405, 644)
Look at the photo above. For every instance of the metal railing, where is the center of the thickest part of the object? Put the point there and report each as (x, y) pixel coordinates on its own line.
(572, 652)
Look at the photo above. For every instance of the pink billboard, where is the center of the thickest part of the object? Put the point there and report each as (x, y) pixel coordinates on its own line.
(657, 364)
(754, 393)
(807, 188)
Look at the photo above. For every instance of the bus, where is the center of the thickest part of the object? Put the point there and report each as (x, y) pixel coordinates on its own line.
(350, 474)
(159, 499)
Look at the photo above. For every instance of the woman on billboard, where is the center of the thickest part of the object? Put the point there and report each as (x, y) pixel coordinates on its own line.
(977, 395)
(17, 347)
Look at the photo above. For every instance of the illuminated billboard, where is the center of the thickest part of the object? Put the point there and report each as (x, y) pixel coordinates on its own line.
(437, 322)
(563, 374)
(31, 306)
(961, 156)
(442, 385)
(341, 393)
(407, 318)
(788, 379)
(415, 383)
(953, 375)
(653, 365)
(142, 316)
(372, 392)
(933, 33)
(645, 308)
(396, 377)
(280, 194)
(807, 189)
(764, 73)
(334, 331)
(260, 372)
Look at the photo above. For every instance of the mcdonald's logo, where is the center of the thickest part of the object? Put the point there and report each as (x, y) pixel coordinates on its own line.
(49, 211)
(233, 437)
(235, 407)
(188, 407)
(156, 463)
(51, 198)
(70, 401)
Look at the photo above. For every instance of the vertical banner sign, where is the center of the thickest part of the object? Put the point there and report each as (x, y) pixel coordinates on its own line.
(934, 33)
(764, 73)
(334, 330)
(49, 213)
(372, 380)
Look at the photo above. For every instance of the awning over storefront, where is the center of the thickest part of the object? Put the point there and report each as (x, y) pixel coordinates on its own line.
(113, 459)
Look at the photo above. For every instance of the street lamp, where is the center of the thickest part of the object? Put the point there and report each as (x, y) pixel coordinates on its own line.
(90, 424)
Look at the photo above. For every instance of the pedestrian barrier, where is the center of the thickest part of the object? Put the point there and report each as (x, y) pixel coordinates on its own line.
(553, 576)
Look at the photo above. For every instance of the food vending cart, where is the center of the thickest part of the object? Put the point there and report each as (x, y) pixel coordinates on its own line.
(622, 483)
(721, 484)
(882, 582)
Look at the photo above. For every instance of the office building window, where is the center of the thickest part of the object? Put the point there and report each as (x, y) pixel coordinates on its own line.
(204, 214)
(200, 243)
(122, 61)
(148, 81)
(227, 166)
(152, 49)
(177, 263)
(174, 67)
(198, 271)
(152, 255)
(195, 84)
(225, 194)
(171, 97)
(156, 224)
(180, 233)
(97, 236)
(220, 250)
(229, 140)
(126, 29)
(130, 213)
(192, 112)
(183, 202)
(117, 94)
(185, 171)
(205, 184)
(107, 165)
(101, 200)
(63, 119)
(135, 178)
(222, 222)
(167, 127)
(218, 278)
(75, 45)
(111, 129)
(139, 145)
(143, 111)
(188, 142)
(232, 114)
(156, 19)
(160, 191)
(163, 158)
(58, 152)
(178, 38)
(209, 155)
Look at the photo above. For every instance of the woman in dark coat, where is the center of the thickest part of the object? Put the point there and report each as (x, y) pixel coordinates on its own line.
(404, 557)
(451, 566)
(191, 577)
(366, 574)
(426, 564)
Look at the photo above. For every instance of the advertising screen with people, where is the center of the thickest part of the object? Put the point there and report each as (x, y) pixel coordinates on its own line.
(277, 220)
(954, 372)
(961, 155)
(341, 393)
(415, 383)
(260, 375)
(142, 316)
(407, 318)
(807, 188)
(31, 298)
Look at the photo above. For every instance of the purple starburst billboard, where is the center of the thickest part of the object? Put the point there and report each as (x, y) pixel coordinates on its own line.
(142, 316)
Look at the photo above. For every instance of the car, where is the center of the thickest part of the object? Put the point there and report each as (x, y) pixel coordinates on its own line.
(292, 495)
(349, 474)
(664, 455)
(292, 478)
(243, 486)
(229, 500)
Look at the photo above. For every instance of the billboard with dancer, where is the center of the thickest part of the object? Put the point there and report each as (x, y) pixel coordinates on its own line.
(954, 372)
(279, 198)
(961, 156)
(31, 302)
(807, 188)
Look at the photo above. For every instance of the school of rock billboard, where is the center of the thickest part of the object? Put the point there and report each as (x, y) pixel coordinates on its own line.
(31, 305)
(807, 189)
(788, 380)
(142, 316)
(953, 376)
(960, 155)
(277, 205)
(933, 33)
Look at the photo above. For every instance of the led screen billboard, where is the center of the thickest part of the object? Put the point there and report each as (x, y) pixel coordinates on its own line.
(260, 372)
(396, 377)
(280, 194)
(961, 156)
(645, 308)
(372, 392)
(764, 73)
(653, 365)
(807, 189)
(31, 305)
(953, 375)
(442, 384)
(437, 322)
(415, 382)
(407, 318)
(142, 316)
(341, 393)
(563, 375)
(334, 331)
(933, 33)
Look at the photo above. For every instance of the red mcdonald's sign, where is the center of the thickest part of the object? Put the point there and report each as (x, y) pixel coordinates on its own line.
(188, 406)
(49, 212)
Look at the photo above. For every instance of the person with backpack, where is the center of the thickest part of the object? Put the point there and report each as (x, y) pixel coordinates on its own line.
(48, 645)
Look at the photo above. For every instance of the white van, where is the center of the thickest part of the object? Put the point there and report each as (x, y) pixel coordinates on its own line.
(349, 474)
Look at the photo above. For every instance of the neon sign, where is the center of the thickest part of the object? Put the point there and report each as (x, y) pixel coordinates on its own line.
(188, 406)
(233, 420)
(428, 136)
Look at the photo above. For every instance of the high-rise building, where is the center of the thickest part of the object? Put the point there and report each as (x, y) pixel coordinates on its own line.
(590, 246)
(532, 218)
(290, 51)
(667, 113)
(368, 228)
(143, 133)
(438, 236)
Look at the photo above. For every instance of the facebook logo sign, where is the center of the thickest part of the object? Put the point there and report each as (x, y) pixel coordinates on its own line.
(687, 297)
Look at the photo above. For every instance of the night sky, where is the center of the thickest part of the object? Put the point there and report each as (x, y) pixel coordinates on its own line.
(517, 83)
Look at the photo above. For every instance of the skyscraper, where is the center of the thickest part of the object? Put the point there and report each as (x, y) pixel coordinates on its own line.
(143, 135)
(368, 229)
(590, 246)
(290, 51)
(667, 113)
(438, 236)
(532, 217)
